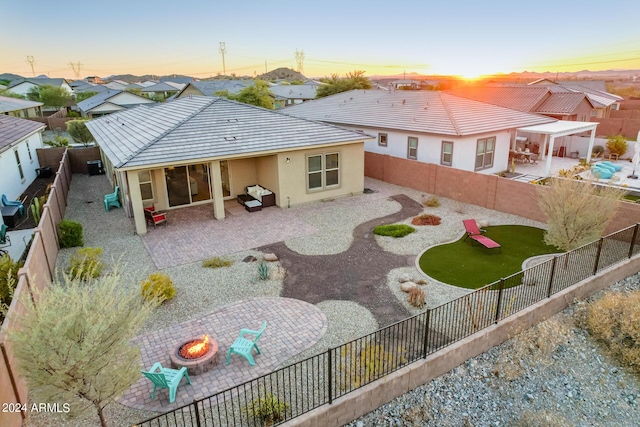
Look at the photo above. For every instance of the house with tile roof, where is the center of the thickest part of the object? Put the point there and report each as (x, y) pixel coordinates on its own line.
(603, 102)
(205, 150)
(286, 95)
(19, 139)
(164, 89)
(20, 107)
(23, 86)
(111, 101)
(211, 87)
(425, 126)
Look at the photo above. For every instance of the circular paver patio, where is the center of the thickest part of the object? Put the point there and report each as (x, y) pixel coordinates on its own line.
(293, 326)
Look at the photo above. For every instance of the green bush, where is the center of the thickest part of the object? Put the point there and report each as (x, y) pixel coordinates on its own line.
(393, 230)
(268, 409)
(617, 144)
(217, 262)
(86, 263)
(8, 282)
(70, 234)
(158, 286)
(263, 271)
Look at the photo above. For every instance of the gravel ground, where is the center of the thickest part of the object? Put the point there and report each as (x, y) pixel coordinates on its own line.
(574, 384)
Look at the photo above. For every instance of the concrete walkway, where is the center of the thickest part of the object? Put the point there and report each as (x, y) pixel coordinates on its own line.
(285, 336)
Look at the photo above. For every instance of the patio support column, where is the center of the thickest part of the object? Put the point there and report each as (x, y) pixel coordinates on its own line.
(136, 202)
(592, 138)
(216, 187)
(547, 169)
(543, 148)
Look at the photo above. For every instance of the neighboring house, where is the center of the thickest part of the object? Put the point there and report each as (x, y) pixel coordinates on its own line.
(209, 88)
(134, 86)
(116, 85)
(80, 86)
(561, 105)
(111, 101)
(602, 100)
(426, 126)
(23, 86)
(286, 95)
(147, 83)
(405, 84)
(19, 139)
(94, 79)
(203, 150)
(181, 80)
(166, 89)
(20, 107)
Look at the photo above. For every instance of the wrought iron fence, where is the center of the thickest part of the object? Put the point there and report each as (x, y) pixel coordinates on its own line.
(293, 390)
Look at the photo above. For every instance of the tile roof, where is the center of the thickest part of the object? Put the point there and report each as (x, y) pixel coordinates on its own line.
(303, 91)
(101, 98)
(164, 87)
(39, 81)
(561, 103)
(521, 98)
(415, 111)
(12, 104)
(209, 88)
(188, 129)
(115, 85)
(13, 129)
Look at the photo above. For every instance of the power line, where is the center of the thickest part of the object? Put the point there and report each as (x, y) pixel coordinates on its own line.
(76, 67)
(300, 60)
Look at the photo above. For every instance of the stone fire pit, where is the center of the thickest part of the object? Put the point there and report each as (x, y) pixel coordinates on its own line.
(199, 363)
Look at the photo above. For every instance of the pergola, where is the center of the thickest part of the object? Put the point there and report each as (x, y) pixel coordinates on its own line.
(554, 130)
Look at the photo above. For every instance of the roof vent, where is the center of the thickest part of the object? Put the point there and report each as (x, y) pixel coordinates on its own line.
(232, 120)
(404, 101)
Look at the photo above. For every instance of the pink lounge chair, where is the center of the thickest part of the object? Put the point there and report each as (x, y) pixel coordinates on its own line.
(475, 233)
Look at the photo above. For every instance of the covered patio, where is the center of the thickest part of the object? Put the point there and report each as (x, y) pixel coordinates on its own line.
(551, 131)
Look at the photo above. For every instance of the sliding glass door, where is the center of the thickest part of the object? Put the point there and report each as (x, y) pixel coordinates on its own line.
(186, 185)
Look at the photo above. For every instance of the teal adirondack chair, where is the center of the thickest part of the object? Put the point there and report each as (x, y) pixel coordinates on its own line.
(243, 346)
(166, 378)
(112, 200)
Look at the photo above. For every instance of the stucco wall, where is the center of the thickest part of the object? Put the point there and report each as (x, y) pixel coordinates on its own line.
(267, 174)
(10, 182)
(242, 173)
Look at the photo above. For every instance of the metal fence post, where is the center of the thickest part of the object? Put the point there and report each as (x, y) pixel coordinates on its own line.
(633, 240)
(499, 300)
(425, 346)
(329, 375)
(195, 405)
(595, 265)
(553, 271)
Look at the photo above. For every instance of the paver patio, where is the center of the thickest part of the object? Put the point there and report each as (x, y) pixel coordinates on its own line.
(285, 336)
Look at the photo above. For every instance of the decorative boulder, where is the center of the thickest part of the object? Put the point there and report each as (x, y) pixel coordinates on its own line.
(483, 223)
(407, 286)
(270, 257)
(405, 277)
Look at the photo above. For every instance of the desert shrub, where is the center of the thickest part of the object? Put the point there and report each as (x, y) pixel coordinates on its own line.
(426, 219)
(393, 230)
(416, 297)
(597, 150)
(57, 141)
(361, 364)
(543, 418)
(432, 202)
(268, 409)
(263, 271)
(421, 282)
(86, 263)
(8, 282)
(70, 234)
(217, 262)
(617, 144)
(534, 347)
(158, 286)
(613, 320)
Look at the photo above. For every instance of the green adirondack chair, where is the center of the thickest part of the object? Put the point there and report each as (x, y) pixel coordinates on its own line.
(243, 346)
(112, 200)
(166, 378)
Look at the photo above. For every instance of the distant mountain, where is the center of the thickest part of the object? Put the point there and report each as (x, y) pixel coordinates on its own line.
(282, 73)
(525, 75)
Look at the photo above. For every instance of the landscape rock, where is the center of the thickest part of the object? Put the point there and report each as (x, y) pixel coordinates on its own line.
(270, 257)
(407, 286)
(249, 258)
(405, 277)
(483, 223)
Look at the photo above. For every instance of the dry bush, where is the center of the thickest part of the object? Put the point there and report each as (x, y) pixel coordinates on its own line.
(431, 202)
(542, 419)
(426, 219)
(533, 346)
(614, 320)
(416, 297)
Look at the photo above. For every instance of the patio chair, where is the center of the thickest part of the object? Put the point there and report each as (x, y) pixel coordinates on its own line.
(472, 229)
(154, 217)
(166, 378)
(4, 237)
(243, 346)
(7, 202)
(112, 200)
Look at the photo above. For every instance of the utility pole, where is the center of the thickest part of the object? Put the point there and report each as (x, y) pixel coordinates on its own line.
(265, 70)
(31, 62)
(223, 50)
(300, 60)
(76, 69)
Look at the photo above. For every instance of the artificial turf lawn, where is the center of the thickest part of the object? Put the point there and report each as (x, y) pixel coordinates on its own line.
(468, 264)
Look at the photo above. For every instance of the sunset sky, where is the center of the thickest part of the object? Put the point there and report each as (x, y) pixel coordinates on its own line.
(456, 37)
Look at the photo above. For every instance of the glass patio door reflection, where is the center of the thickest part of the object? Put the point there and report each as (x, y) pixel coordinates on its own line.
(177, 186)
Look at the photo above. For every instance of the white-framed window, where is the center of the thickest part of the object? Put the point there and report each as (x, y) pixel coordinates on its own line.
(382, 139)
(19, 164)
(412, 148)
(29, 152)
(484, 153)
(146, 185)
(323, 171)
(446, 156)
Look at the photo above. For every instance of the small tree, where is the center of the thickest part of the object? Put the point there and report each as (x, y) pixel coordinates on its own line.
(50, 96)
(74, 345)
(577, 211)
(336, 84)
(84, 95)
(10, 94)
(617, 144)
(79, 131)
(257, 94)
